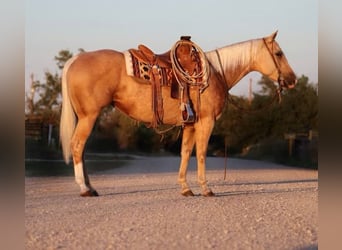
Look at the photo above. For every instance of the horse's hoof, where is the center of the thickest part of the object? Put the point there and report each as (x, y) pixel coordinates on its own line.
(89, 193)
(208, 194)
(188, 193)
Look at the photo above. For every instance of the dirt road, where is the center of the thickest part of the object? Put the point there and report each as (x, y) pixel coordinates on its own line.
(259, 206)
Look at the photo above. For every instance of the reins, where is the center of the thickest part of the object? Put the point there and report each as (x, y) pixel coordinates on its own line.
(277, 94)
(163, 132)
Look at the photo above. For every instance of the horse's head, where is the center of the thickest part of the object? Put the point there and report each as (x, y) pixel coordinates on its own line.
(275, 64)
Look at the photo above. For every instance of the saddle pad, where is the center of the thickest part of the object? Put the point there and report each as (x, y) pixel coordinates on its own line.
(129, 63)
(144, 71)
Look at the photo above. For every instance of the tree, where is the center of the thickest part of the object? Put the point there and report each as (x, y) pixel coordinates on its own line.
(31, 106)
(268, 87)
(300, 107)
(62, 57)
(231, 126)
(264, 119)
(49, 91)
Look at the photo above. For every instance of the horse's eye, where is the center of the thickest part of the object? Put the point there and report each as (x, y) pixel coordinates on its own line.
(279, 53)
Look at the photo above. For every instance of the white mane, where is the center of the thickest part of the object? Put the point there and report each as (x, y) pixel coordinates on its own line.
(236, 55)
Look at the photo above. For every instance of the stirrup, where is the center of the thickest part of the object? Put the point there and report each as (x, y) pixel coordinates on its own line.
(188, 115)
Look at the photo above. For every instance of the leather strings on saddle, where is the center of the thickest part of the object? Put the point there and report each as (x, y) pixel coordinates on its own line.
(180, 68)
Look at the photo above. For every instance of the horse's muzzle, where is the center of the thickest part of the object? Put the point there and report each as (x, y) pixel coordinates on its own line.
(291, 85)
(287, 84)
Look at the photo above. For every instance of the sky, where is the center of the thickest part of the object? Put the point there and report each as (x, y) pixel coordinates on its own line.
(52, 26)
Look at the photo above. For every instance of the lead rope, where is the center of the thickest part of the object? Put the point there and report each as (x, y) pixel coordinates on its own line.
(225, 158)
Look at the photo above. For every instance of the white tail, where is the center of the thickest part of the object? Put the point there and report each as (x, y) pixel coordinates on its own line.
(68, 118)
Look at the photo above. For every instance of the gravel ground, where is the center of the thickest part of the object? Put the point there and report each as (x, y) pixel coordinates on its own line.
(259, 206)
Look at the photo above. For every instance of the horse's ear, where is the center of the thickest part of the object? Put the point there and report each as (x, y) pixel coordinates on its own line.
(272, 37)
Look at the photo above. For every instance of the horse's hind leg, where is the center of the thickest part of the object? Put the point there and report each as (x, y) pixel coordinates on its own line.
(82, 132)
(188, 141)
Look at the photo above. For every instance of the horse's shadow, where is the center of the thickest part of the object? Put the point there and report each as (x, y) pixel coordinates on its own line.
(263, 191)
(268, 189)
(139, 191)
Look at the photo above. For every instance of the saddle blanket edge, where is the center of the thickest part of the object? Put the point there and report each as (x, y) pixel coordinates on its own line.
(129, 63)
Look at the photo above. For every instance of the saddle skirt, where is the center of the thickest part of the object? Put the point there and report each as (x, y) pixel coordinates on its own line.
(183, 66)
(139, 63)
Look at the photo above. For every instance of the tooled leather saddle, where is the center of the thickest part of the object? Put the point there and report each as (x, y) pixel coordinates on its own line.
(144, 54)
(158, 69)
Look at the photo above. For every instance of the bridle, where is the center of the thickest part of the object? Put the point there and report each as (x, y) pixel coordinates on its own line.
(281, 80)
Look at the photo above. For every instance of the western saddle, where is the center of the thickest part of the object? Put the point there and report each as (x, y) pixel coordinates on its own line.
(174, 67)
(144, 54)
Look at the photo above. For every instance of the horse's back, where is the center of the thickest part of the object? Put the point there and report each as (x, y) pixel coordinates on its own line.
(97, 61)
(92, 77)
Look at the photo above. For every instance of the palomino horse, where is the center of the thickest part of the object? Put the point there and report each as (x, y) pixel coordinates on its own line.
(93, 80)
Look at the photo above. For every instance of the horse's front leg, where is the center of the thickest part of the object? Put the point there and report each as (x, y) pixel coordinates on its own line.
(203, 132)
(188, 141)
(79, 139)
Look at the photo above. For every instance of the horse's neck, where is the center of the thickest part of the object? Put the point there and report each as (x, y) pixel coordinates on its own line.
(235, 60)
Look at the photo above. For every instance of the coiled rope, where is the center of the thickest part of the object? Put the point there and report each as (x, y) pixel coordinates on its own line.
(182, 76)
